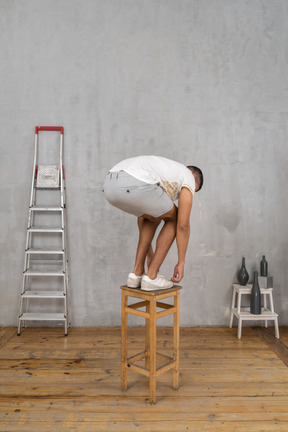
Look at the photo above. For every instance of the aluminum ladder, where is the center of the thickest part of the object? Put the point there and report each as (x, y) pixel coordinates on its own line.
(45, 276)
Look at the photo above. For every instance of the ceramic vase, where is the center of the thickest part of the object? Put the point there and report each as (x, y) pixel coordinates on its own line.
(243, 275)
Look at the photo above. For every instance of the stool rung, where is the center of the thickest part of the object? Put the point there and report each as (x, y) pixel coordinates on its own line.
(164, 357)
(165, 368)
(139, 369)
(163, 305)
(169, 311)
(137, 357)
(138, 305)
(128, 309)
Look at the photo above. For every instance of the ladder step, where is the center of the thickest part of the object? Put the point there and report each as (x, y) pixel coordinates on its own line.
(29, 316)
(48, 209)
(43, 294)
(44, 251)
(48, 272)
(47, 187)
(45, 230)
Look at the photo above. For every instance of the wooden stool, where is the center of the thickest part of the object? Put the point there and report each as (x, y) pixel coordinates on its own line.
(151, 300)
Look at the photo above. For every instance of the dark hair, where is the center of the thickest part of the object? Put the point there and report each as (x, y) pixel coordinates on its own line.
(199, 175)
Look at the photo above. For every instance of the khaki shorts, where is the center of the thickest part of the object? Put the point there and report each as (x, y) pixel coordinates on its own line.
(134, 196)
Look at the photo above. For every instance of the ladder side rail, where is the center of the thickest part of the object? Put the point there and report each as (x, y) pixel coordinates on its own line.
(64, 261)
(32, 204)
(62, 218)
(65, 282)
(29, 233)
(34, 170)
(66, 278)
(67, 303)
(62, 191)
(23, 304)
(26, 259)
(27, 245)
(61, 171)
(64, 237)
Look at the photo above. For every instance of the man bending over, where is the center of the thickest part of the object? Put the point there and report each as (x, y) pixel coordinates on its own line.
(147, 187)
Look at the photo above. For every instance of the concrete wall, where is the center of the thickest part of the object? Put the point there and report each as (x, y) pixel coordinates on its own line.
(203, 82)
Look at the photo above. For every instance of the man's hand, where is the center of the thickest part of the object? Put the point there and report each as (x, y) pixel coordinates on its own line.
(178, 273)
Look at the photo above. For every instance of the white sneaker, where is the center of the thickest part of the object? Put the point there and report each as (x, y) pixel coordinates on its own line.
(159, 283)
(134, 281)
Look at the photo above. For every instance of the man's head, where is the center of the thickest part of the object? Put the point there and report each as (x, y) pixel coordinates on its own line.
(198, 175)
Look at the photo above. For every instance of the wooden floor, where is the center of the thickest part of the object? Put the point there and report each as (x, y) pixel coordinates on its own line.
(53, 383)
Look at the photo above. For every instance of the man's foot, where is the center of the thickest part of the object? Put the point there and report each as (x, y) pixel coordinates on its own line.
(134, 281)
(159, 283)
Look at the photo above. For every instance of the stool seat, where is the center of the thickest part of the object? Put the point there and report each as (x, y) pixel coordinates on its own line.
(150, 300)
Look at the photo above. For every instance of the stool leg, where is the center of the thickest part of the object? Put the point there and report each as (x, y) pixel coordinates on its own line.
(265, 307)
(276, 328)
(124, 342)
(239, 328)
(152, 350)
(232, 307)
(147, 339)
(176, 342)
(271, 301)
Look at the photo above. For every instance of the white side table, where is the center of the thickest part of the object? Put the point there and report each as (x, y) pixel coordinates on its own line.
(243, 313)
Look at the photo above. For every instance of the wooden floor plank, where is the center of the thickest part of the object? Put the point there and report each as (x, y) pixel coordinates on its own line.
(100, 409)
(194, 360)
(36, 376)
(131, 426)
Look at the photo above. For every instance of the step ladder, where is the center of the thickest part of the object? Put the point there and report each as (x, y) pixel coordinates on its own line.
(45, 276)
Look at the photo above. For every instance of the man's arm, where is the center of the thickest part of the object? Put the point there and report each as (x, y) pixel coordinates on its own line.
(183, 231)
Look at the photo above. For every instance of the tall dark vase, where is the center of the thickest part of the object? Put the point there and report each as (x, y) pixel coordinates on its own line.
(243, 275)
(263, 267)
(255, 298)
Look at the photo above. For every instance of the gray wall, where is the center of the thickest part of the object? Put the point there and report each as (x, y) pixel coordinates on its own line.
(203, 82)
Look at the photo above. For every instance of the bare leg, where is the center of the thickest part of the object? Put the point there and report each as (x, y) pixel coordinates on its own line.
(147, 229)
(163, 244)
(150, 253)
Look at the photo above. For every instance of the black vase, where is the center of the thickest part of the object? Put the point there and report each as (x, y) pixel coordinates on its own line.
(255, 298)
(243, 275)
(263, 267)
